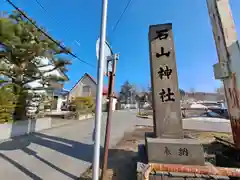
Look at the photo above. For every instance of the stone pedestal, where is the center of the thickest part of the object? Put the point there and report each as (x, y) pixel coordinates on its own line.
(168, 147)
(174, 151)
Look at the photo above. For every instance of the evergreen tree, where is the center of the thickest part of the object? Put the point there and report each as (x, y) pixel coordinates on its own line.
(182, 92)
(127, 93)
(22, 47)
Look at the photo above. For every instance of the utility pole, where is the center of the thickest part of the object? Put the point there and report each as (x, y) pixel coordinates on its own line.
(111, 81)
(228, 50)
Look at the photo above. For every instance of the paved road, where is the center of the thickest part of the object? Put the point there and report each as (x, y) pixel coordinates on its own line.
(207, 124)
(204, 124)
(61, 153)
(65, 152)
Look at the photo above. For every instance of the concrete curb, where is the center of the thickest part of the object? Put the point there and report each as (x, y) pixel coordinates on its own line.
(10, 130)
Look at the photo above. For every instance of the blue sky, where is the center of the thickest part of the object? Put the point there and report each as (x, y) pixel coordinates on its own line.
(79, 20)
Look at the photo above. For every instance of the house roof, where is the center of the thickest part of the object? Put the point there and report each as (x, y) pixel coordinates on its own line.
(4, 84)
(105, 88)
(62, 92)
(93, 79)
(86, 74)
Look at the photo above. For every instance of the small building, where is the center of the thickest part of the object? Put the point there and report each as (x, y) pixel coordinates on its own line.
(87, 86)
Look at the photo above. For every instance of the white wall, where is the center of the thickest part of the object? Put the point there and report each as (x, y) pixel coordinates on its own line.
(44, 62)
(129, 106)
(9, 130)
(60, 100)
(114, 104)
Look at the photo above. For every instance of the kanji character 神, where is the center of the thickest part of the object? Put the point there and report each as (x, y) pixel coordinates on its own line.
(164, 72)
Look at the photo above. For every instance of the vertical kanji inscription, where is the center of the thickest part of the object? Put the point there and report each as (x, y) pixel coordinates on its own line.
(166, 96)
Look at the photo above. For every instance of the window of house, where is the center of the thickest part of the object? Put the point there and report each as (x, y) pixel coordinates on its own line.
(86, 89)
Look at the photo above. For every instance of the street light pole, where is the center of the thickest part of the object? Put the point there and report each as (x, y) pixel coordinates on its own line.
(100, 75)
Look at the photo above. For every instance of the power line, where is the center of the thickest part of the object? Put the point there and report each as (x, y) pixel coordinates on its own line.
(54, 18)
(120, 17)
(43, 8)
(57, 43)
(118, 22)
(41, 5)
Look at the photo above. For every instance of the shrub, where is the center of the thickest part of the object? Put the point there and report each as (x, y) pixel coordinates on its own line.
(7, 104)
(82, 105)
(12, 102)
(142, 114)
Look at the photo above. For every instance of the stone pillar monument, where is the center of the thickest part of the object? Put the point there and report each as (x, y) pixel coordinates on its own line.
(165, 91)
(168, 145)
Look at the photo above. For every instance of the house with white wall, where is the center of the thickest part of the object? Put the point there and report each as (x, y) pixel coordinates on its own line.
(87, 86)
(59, 94)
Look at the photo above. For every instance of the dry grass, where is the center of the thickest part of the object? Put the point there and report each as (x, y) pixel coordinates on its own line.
(207, 137)
(123, 158)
